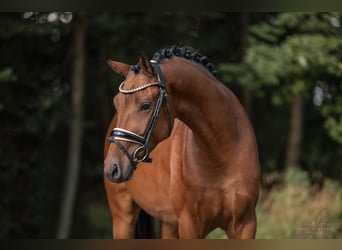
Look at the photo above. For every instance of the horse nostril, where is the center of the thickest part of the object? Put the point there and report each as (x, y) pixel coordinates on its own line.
(116, 172)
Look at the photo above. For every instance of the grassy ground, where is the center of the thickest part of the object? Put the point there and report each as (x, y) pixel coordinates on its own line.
(296, 209)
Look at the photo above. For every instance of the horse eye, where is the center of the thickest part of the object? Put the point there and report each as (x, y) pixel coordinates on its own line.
(145, 106)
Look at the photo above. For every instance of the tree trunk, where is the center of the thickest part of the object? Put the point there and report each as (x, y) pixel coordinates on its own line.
(295, 134)
(75, 136)
(246, 92)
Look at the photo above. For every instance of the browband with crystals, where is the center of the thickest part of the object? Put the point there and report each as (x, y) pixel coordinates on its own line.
(131, 91)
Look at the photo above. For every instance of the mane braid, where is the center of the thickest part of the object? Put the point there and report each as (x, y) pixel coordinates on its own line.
(187, 53)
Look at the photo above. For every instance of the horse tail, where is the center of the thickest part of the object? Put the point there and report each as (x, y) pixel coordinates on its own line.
(144, 228)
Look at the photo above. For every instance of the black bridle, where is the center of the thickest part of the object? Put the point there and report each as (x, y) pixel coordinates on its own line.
(119, 134)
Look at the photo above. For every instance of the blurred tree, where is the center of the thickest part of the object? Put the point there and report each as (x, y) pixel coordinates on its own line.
(32, 118)
(294, 54)
(75, 135)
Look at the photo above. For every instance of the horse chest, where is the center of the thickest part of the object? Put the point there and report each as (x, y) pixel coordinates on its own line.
(153, 195)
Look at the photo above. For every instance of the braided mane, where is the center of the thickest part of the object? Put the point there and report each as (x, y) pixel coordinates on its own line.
(185, 52)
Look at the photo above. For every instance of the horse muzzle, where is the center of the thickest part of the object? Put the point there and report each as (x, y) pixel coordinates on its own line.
(116, 172)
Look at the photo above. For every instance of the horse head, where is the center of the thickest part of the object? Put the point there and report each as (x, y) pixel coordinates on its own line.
(144, 117)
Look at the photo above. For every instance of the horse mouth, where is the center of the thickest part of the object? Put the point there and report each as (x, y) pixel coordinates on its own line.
(130, 175)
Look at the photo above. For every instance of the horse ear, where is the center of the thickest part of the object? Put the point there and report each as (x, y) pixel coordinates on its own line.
(146, 65)
(118, 67)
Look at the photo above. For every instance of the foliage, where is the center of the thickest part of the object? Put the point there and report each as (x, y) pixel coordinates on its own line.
(6, 75)
(291, 53)
(295, 53)
(32, 114)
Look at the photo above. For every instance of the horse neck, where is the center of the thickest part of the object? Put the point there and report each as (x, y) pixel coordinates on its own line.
(203, 104)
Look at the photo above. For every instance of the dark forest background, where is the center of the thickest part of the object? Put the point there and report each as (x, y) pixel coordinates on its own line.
(56, 103)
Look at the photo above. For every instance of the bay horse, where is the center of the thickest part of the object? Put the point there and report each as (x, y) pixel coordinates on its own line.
(181, 148)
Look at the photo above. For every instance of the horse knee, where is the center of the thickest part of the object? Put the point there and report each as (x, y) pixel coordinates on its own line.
(244, 228)
(169, 231)
(124, 217)
(243, 222)
(190, 226)
(122, 229)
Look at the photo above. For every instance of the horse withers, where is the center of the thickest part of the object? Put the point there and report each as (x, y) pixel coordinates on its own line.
(181, 148)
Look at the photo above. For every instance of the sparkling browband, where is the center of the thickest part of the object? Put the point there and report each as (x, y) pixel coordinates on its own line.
(131, 91)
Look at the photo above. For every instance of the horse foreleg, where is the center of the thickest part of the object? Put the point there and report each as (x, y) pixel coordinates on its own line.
(244, 221)
(246, 230)
(189, 226)
(123, 209)
(168, 231)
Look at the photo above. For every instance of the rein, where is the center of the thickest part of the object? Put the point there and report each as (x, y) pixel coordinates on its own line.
(119, 134)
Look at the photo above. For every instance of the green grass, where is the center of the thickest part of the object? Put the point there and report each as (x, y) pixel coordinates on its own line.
(217, 234)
